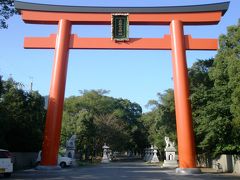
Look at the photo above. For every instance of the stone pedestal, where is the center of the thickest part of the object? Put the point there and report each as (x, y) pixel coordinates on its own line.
(170, 152)
(105, 158)
(170, 158)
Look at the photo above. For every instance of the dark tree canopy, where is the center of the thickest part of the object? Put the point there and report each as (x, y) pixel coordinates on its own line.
(22, 116)
(97, 119)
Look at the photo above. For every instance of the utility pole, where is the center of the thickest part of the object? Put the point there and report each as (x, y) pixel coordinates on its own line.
(31, 83)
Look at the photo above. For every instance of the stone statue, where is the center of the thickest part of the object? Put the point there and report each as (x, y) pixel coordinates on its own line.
(169, 144)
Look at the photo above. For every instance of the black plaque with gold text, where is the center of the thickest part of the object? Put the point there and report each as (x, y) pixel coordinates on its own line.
(120, 27)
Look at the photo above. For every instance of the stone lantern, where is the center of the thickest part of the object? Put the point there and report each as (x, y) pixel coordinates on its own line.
(154, 158)
(105, 158)
(151, 153)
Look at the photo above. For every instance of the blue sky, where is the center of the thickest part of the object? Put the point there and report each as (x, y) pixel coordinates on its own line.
(135, 75)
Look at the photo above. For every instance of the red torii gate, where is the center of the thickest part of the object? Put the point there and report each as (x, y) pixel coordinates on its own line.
(176, 17)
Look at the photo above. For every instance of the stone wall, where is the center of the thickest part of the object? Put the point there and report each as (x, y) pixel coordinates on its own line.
(223, 163)
(24, 160)
(236, 164)
(227, 163)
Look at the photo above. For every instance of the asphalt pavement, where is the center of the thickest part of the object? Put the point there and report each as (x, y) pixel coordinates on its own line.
(116, 171)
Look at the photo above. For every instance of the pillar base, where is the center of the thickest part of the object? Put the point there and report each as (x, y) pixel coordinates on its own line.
(188, 171)
(48, 168)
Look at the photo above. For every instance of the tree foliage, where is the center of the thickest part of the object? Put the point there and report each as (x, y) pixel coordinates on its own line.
(6, 11)
(215, 97)
(160, 122)
(97, 119)
(201, 95)
(226, 75)
(21, 117)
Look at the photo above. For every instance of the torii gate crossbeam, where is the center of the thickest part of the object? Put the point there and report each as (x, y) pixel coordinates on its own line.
(177, 17)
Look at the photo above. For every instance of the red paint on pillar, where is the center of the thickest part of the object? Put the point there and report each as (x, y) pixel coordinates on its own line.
(185, 136)
(56, 96)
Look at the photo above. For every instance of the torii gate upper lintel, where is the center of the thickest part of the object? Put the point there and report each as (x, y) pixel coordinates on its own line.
(177, 17)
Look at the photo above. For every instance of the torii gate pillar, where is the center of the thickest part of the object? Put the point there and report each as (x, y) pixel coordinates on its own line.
(186, 146)
(56, 96)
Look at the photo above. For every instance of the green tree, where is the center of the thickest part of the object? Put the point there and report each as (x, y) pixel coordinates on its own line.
(215, 97)
(201, 87)
(161, 122)
(97, 119)
(21, 117)
(226, 76)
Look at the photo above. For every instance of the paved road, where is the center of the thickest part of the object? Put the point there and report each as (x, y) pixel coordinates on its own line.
(115, 171)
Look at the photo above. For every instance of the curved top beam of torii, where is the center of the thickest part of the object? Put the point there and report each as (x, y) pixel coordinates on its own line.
(51, 14)
(88, 9)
